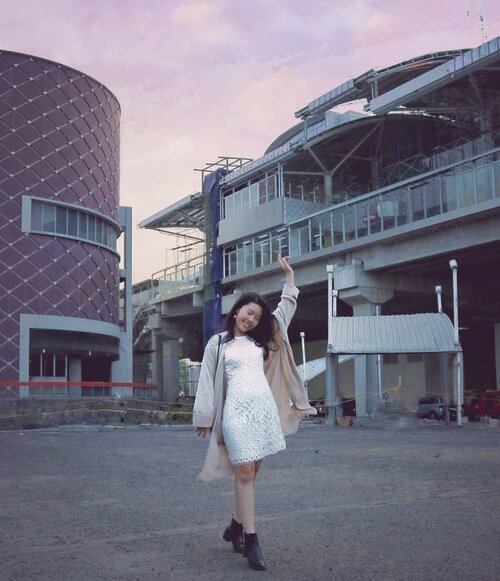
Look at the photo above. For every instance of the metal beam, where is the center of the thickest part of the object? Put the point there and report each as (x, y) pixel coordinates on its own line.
(457, 68)
(348, 155)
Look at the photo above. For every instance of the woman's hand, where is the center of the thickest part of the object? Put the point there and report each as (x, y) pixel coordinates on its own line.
(203, 432)
(287, 269)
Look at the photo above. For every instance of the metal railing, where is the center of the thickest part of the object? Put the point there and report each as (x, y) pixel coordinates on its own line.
(77, 389)
(178, 278)
(460, 185)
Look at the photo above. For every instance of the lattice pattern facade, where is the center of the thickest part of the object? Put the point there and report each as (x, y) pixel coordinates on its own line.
(59, 141)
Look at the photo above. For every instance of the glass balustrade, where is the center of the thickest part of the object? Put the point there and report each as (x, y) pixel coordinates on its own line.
(435, 194)
(179, 278)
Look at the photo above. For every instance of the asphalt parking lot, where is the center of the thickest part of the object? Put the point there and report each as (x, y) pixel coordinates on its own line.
(390, 501)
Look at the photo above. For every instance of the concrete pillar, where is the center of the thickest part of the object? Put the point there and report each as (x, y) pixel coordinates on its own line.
(365, 370)
(157, 361)
(328, 184)
(74, 374)
(171, 351)
(165, 358)
(332, 399)
(364, 292)
(122, 369)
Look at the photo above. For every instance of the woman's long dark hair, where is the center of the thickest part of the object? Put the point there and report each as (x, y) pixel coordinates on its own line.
(263, 332)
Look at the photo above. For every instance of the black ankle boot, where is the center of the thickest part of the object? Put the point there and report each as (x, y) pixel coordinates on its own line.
(253, 553)
(234, 534)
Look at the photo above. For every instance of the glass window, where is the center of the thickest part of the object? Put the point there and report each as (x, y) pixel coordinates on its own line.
(91, 227)
(72, 222)
(338, 227)
(308, 191)
(319, 192)
(449, 186)
(111, 237)
(253, 193)
(287, 189)
(244, 257)
(299, 239)
(36, 216)
(271, 187)
(368, 219)
(483, 187)
(98, 231)
(402, 212)
(262, 252)
(82, 225)
(228, 206)
(47, 365)
(262, 191)
(433, 198)
(349, 224)
(297, 190)
(60, 365)
(279, 244)
(466, 191)
(35, 365)
(417, 203)
(107, 234)
(496, 178)
(245, 198)
(316, 233)
(230, 261)
(49, 218)
(374, 218)
(61, 218)
(387, 211)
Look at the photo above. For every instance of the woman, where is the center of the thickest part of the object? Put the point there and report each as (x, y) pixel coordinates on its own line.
(250, 395)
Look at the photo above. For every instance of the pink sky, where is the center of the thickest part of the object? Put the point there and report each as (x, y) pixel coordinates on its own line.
(199, 79)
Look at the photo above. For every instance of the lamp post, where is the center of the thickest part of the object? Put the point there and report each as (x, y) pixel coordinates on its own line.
(443, 363)
(331, 375)
(304, 368)
(458, 355)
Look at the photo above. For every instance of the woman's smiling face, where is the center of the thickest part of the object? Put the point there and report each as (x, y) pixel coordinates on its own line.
(247, 318)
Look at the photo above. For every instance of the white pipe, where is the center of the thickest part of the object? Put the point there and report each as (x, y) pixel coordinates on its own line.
(378, 309)
(329, 270)
(458, 382)
(304, 369)
(439, 291)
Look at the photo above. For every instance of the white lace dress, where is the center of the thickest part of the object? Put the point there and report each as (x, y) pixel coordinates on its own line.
(250, 420)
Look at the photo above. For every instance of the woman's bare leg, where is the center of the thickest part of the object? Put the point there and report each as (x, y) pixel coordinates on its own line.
(244, 495)
(236, 515)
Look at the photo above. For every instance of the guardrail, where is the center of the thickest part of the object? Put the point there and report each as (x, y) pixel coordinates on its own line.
(83, 389)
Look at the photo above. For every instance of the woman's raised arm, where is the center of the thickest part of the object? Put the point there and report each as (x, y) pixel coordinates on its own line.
(287, 269)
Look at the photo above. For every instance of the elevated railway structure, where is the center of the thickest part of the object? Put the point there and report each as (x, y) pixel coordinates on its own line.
(388, 193)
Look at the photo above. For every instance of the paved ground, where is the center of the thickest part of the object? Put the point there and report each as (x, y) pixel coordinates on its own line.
(375, 502)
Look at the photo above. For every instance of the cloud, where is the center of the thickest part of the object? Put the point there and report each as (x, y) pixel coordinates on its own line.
(198, 79)
(194, 14)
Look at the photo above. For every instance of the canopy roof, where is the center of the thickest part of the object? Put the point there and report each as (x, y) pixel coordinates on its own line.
(420, 333)
(186, 213)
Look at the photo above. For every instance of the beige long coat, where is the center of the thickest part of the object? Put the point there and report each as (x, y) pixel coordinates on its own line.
(281, 373)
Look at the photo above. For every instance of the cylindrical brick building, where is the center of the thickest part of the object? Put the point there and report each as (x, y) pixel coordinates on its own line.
(59, 223)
